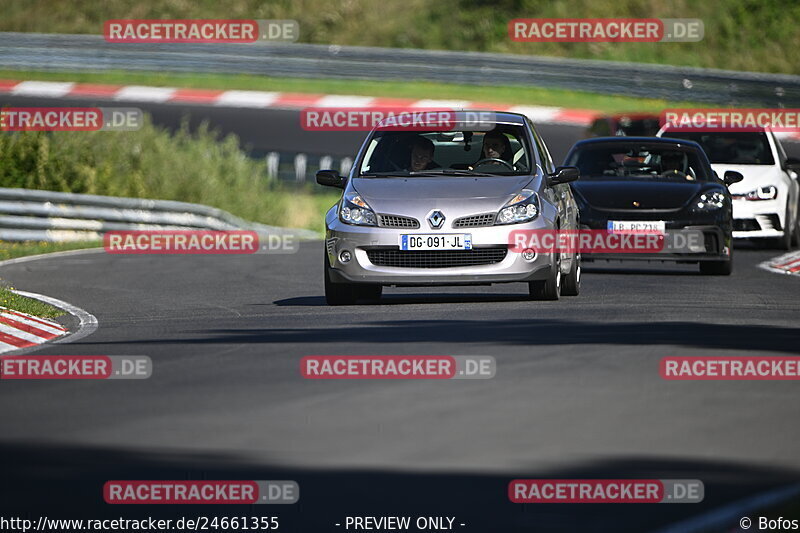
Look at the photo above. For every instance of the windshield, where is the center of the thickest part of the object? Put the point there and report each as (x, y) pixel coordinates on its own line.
(736, 148)
(629, 161)
(501, 151)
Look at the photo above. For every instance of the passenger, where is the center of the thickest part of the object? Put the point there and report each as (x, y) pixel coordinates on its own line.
(422, 150)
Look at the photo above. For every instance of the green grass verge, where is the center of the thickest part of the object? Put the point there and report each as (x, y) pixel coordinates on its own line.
(758, 35)
(30, 306)
(12, 250)
(512, 95)
(196, 166)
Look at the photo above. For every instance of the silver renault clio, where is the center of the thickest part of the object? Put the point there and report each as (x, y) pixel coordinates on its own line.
(437, 206)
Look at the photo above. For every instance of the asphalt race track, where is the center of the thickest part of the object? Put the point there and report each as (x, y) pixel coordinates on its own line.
(577, 392)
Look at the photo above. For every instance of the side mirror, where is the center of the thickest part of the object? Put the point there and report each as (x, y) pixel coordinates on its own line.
(330, 178)
(792, 164)
(563, 175)
(731, 177)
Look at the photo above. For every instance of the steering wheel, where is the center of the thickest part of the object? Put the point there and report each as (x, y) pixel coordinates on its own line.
(494, 160)
(673, 174)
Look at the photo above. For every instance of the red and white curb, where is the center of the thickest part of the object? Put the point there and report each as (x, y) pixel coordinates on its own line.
(24, 333)
(280, 100)
(20, 330)
(277, 100)
(783, 264)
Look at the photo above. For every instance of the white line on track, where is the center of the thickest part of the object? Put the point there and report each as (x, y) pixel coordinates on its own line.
(88, 323)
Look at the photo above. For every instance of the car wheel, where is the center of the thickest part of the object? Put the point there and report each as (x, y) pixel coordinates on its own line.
(371, 293)
(338, 293)
(571, 285)
(796, 233)
(717, 268)
(549, 289)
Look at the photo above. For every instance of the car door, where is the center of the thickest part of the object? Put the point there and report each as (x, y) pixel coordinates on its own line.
(790, 177)
(555, 193)
(568, 207)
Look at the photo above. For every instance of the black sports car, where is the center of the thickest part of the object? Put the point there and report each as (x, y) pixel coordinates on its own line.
(658, 185)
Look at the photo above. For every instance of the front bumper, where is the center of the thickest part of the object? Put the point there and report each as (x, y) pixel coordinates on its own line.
(360, 240)
(716, 228)
(758, 220)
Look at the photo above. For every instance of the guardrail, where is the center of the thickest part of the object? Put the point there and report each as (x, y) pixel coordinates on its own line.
(34, 215)
(82, 53)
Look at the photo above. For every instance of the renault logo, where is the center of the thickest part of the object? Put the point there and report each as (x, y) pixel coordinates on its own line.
(436, 219)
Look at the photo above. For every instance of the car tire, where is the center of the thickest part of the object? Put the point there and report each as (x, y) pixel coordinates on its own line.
(370, 293)
(716, 268)
(548, 289)
(796, 233)
(338, 293)
(571, 284)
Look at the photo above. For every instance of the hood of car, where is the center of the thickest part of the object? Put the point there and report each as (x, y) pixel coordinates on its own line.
(631, 194)
(417, 194)
(755, 176)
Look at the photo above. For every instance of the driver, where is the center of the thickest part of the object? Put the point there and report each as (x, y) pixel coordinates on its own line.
(496, 146)
(672, 164)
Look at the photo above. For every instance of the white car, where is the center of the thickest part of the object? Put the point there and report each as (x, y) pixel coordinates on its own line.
(765, 203)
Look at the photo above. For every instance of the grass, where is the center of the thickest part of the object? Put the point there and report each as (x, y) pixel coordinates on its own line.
(12, 250)
(512, 95)
(191, 166)
(30, 306)
(756, 35)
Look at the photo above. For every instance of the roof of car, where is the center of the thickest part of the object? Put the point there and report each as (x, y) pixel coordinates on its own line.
(493, 117)
(754, 129)
(621, 139)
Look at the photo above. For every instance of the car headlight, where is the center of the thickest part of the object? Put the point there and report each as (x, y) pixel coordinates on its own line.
(709, 201)
(354, 210)
(770, 192)
(524, 207)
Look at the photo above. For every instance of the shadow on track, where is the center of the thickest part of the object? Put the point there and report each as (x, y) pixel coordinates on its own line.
(66, 482)
(511, 332)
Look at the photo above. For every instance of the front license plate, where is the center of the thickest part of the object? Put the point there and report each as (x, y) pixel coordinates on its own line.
(448, 241)
(633, 226)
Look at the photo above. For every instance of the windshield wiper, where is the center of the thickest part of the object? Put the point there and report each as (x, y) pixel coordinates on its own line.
(450, 172)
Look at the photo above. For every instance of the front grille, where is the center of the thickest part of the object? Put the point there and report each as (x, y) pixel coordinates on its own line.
(436, 258)
(397, 221)
(474, 221)
(745, 224)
